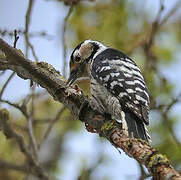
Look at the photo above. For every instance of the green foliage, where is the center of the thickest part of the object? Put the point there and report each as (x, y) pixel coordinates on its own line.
(99, 23)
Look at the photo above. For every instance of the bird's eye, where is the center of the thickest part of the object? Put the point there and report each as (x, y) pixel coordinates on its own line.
(77, 59)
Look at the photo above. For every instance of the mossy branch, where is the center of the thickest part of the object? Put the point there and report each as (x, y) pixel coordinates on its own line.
(50, 79)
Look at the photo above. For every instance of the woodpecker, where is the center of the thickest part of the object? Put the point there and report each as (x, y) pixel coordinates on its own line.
(116, 84)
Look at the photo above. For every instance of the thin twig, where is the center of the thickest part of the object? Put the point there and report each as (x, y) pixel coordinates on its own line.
(154, 29)
(30, 127)
(158, 22)
(168, 123)
(26, 100)
(64, 41)
(6, 83)
(32, 100)
(16, 37)
(148, 39)
(10, 133)
(32, 139)
(53, 121)
(20, 108)
(30, 118)
(27, 23)
(23, 110)
(42, 34)
(170, 13)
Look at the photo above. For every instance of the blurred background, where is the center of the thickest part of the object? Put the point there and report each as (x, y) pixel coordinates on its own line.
(148, 31)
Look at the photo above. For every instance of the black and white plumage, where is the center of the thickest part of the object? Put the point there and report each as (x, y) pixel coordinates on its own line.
(117, 85)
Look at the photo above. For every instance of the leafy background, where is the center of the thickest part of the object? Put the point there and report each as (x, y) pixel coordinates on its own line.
(138, 28)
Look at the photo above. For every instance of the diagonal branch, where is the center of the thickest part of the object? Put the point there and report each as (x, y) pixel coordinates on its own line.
(168, 123)
(20, 108)
(16, 37)
(50, 79)
(170, 13)
(53, 121)
(6, 83)
(10, 166)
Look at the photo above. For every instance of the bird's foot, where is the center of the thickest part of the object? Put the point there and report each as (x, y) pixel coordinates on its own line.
(94, 124)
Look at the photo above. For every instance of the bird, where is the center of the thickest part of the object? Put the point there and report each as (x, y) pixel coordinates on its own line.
(116, 84)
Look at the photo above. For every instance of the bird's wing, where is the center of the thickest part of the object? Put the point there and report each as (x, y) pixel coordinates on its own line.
(121, 76)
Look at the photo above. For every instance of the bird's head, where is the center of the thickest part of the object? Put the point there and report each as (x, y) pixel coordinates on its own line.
(81, 58)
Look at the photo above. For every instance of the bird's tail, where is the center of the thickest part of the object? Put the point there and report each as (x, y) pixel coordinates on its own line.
(136, 128)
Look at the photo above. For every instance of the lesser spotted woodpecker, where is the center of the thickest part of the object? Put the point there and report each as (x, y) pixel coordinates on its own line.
(116, 84)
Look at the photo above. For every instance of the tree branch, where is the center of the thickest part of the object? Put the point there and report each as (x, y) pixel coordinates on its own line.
(16, 37)
(64, 41)
(10, 133)
(53, 121)
(26, 33)
(10, 166)
(50, 79)
(6, 83)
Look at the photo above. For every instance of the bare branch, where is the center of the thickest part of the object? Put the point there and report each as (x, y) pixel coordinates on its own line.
(10, 166)
(10, 133)
(156, 25)
(154, 28)
(52, 122)
(30, 118)
(158, 22)
(20, 108)
(64, 41)
(12, 74)
(23, 110)
(33, 143)
(6, 83)
(42, 34)
(27, 23)
(170, 13)
(169, 126)
(16, 37)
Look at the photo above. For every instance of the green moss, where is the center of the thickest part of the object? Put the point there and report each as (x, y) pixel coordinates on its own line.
(107, 128)
(46, 66)
(49, 68)
(158, 159)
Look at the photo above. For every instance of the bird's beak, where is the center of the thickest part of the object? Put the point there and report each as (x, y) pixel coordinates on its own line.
(76, 73)
(72, 78)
